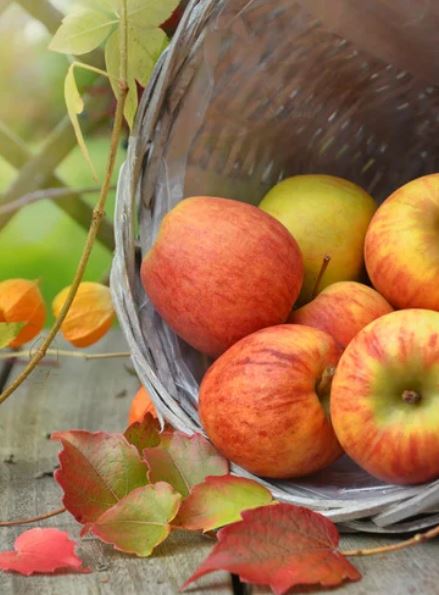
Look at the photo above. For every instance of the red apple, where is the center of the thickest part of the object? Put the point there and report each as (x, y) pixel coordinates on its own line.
(220, 270)
(342, 310)
(402, 245)
(264, 402)
(385, 397)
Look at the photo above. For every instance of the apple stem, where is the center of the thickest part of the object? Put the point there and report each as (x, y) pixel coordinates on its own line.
(394, 547)
(411, 396)
(325, 262)
(324, 384)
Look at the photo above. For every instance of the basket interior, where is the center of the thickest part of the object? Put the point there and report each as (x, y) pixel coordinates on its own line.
(264, 93)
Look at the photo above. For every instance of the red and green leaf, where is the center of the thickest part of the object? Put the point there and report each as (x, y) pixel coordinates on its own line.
(219, 501)
(42, 551)
(96, 471)
(184, 461)
(144, 434)
(140, 521)
(280, 546)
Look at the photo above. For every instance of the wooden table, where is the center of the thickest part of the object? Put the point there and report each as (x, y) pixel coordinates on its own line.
(96, 395)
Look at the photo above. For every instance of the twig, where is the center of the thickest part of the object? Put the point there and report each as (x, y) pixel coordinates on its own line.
(11, 355)
(47, 193)
(98, 212)
(394, 547)
(325, 262)
(34, 519)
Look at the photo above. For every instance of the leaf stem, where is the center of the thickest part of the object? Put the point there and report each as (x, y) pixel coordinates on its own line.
(394, 547)
(65, 353)
(34, 519)
(98, 214)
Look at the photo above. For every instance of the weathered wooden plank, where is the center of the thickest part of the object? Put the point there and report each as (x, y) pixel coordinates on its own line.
(81, 394)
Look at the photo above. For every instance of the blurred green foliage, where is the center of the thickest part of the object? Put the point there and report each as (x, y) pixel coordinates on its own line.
(41, 241)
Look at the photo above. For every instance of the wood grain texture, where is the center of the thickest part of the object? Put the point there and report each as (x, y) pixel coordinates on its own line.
(91, 395)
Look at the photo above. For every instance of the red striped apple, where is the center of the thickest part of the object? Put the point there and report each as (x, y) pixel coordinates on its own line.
(220, 270)
(264, 402)
(402, 245)
(328, 216)
(385, 397)
(342, 310)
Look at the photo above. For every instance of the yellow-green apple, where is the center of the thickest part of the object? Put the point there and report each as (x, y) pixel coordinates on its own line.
(342, 310)
(328, 216)
(402, 245)
(385, 397)
(264, 402)
(220, 270)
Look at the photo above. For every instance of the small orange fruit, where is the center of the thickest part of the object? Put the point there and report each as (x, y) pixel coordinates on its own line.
(140, 406)
(21, 301)
(90, 316)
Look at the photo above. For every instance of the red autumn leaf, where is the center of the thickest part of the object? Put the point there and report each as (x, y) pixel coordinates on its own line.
(96, 471)
(144, 434)
(140, 521)
(219, 501)
(280, 546)
(183, 461)
(42, 551)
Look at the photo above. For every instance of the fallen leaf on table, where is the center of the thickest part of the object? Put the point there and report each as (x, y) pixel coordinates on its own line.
(183, 461)
(140, 521)
(281, 546)
(144, 434)
(96, 471)
(42, 551)
(219, 501)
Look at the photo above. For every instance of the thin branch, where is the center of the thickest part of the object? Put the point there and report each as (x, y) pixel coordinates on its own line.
(11, 355)
(98, 212)
(34, 519)
(394, 547)
(46, 193)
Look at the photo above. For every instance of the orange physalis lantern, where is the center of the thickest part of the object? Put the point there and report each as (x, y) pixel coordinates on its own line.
(140, 406)
(21, 301)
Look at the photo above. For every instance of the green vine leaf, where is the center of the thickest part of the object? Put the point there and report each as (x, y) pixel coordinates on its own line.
(8, 332)
(83, 31)
(75, 106)
(144, 49)
(150, 13)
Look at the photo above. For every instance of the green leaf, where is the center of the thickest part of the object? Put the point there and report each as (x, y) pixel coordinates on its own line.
(150, 13)
(82, 31)
(140, 521)
(144, 49)
(183, 461)
(75, 106)
(144, 434)
(105, 6)
(8, 332)
(219, 501)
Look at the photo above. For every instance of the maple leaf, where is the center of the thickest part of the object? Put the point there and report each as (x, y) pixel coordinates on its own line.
(96, 471)
(144, 434)
(281, 546)
(42, 551)
(183, 461)
(140, 521)
(219, 501)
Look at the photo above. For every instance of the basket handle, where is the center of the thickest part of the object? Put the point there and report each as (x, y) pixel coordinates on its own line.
(400, 32)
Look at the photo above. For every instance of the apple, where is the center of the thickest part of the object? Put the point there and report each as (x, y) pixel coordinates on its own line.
(385, 397)
(342, 310)
(328, 216)
(402, 245)
(220, 270)
(264, 402)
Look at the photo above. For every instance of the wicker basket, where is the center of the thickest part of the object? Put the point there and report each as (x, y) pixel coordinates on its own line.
(249, 92)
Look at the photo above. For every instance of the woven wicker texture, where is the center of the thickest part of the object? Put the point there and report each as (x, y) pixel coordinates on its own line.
(251, 91)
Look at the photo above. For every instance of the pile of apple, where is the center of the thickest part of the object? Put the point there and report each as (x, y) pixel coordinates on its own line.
(310, 361)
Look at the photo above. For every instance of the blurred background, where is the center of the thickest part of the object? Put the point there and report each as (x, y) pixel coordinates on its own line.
(44, 240)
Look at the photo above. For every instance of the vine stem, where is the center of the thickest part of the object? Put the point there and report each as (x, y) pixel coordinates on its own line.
(394, 547)
(34, 519)
(65, 353)
(98, 211)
